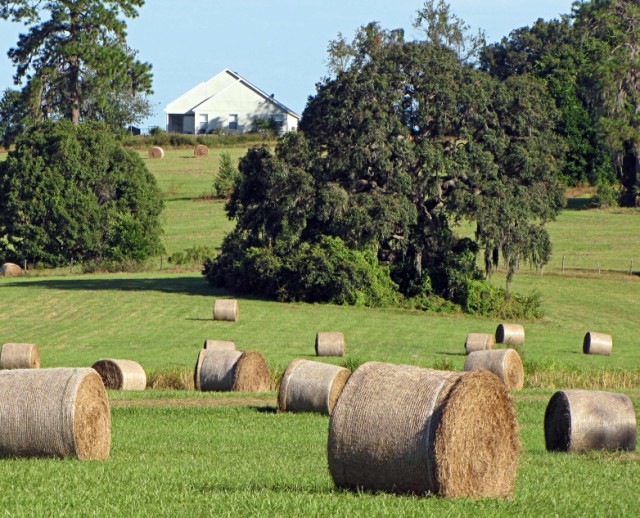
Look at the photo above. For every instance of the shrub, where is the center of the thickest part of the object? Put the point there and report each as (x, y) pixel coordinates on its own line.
(485, 299)
(225, 180)
(606, 196)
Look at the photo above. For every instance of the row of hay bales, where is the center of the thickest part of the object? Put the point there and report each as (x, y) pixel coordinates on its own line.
(199, 151)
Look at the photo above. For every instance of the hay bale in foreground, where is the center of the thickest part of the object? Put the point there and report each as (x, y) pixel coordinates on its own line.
(581, 420)
(510, 334)
(504, 363)
(121, 374)
(19, 356)
(597, 343)
(54, 413)
(407, 429)
(226, 309)
(224, 370)
(200, 151)
(330, 344)
(478, 342)
(309, 386)
(156, 152)
(219, 344)
(11, 270)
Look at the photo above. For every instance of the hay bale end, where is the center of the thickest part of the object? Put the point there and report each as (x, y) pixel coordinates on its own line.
(510, 334)
(504, 363)
(226, 309)
(156, 152)
(121, 374)
(330, 344)
(224, 370)
(597, 343)
(478, 342)
(19, 356)
(11, 270)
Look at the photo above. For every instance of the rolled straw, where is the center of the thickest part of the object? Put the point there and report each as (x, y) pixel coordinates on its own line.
(504, 363)
(200, 151)
(478, 342)
(330, 344)
(226, 370)
(19, 356)
(226, 309)
(121, 374)
(219, 344)
(10, 270)
(156, 152)
(597, 343)
(510, 334)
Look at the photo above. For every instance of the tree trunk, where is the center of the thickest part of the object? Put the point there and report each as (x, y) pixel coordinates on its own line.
(630, 175)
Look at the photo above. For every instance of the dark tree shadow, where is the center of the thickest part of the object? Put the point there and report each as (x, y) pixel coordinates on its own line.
(578, 203)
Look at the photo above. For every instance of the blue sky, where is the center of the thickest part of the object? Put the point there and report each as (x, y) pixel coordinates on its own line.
(279, 45)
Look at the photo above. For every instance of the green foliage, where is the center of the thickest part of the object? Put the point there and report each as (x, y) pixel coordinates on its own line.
(14, 116)
(196, 254)
(226, 178)
(485, 299)
(606, 196)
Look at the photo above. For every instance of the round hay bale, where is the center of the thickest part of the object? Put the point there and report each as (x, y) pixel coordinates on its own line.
(309, 386)
(226, 309)
(10, 270)
(19, 356)
(330, 344)
(121, 374)
(581, 420)
(219, 344)
(478, 342)
(504, 363)
(156, 152)
(54, 413)
(510, 334)
(224, 370)
(597, 343)
(200, 151)
(407, 429)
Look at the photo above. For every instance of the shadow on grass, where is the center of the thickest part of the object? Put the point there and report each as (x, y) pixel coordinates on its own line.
(578, 203)
(447, 353)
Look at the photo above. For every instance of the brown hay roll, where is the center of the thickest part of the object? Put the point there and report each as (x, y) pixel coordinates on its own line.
(597, 343)
(581, 420)
(224, 370)
(10, 270)
(156, 152)
(200, 151)
(121, 374)
(54, 413)
(504, 363)
(219, 344)
(478, 342)
(510, 334)
(19, 356)
(226, 309)
(308, 386)
(407, 429)
(330, 344)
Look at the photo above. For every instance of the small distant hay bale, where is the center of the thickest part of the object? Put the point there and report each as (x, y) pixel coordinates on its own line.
(156, 152)
(479, 342)
(504, 363)
(309, 386)
(219, 344)
(406, 429)
(510, 334)
(330, 344)
(581, 420)
(54, 413)
(201, 151)
(121, 374)
(597, 343)
(224, 370)
(11, 270)
(226, 309)
(19, 356)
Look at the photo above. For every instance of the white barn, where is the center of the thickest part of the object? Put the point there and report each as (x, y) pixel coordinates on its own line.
(226, 102)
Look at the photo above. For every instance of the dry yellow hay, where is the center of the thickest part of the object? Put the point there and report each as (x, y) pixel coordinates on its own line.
(225, 370)
(19, 356)
(581, 420)
(407, 429)
(10, 270)
(330, 344)
(510, 334)
(200, 151)
(156, 152)
(226, 309)
(54, 413)
(309, 386)
(219, 344)
(121, 374)
(504, 363)
(597, 343)
(478, 342)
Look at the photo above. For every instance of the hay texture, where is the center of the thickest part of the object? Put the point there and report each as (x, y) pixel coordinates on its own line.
(406, 429)
(219, 344)
(330, 344)
(478, 342)
(54, 413)
(19, 356)
(504, 363)
(156, 152)
(200, 151)
(226, 309)
(121, 374)
(510, 334)
(10, 270)
(309, 386)
(581, 420)
(597, 343)
(224, 370)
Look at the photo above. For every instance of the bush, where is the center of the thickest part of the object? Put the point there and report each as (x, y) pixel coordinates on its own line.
(606, 196)
(225, 180)
(485, 299)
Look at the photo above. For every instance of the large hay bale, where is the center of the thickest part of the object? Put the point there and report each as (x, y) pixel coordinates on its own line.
(54, 413)
(309, 386)
(478, 342)
(226, 309)
(121, 374)
(219, 344)
(330, 344)
(581, 420)
(225, 370)
(200, 151)
(10, 270)
(504, 363)
(156, 152)
(510, 334)
(19, 356)
(597, 343)
(407, 429)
